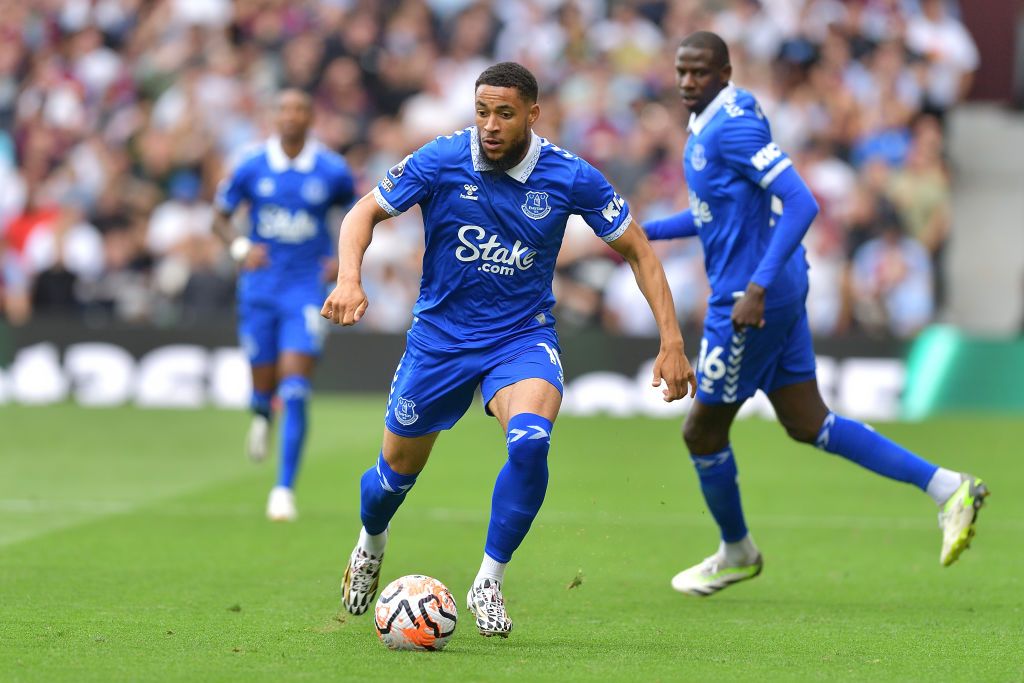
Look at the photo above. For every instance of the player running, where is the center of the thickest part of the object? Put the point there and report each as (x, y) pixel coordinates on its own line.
(756, 334)
(289, 184)
(495, 200)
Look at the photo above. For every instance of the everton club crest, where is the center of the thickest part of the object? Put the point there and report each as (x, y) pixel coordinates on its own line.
(536, 205)
(405, 411)
(698, 158)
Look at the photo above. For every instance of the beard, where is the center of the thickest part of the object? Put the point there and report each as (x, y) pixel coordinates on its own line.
(515, 153)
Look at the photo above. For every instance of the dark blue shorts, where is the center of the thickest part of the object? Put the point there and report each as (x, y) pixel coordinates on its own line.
(434, 386)
(289, 322)
(734, 365)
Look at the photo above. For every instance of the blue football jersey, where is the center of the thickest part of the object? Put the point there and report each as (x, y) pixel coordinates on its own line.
(288, 204)
(730, 163)
(491, 238)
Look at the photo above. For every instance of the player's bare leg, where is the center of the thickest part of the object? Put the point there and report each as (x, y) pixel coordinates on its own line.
(383, 489)
(706, 432)
(526, 411)
(264, 383)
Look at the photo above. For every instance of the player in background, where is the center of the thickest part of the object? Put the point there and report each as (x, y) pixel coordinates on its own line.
(495, 199)
(290, 183)
(756, 334)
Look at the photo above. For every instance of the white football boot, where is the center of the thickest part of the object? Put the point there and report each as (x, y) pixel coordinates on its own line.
(714, 574)
(362, 577)
(281, 505)
(957, 517)
(487, 604)
(257, 441)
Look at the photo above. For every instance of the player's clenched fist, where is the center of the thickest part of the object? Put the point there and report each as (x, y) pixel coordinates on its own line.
(346, 304)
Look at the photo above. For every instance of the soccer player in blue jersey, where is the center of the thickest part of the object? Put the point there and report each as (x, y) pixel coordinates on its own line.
(755, 333)
(495, 199)
(286, 261)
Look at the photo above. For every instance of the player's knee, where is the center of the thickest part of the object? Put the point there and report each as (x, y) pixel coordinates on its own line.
(526, 450)
(528, 439)
(382, 479)
(294, 388)
(801, 430)
(702, 438)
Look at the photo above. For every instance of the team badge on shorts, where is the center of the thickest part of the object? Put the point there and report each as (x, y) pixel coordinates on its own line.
(536, 205)
(405, 411)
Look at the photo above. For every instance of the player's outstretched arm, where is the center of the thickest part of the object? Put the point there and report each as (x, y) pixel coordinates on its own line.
(677, 225)
(671, 363)
(346, 304)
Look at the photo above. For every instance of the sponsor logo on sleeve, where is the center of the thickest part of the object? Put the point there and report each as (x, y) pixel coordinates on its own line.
(766, 156)
(614, 208)
(398, 169)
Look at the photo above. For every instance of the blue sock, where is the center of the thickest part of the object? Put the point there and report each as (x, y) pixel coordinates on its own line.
(294, 391)
(718, 483)
(522, 482)
(866, 447)
(383, 490)
(259, 403)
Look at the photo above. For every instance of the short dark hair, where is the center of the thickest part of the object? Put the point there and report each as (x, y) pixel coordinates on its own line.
(706, 40)
(510, 75)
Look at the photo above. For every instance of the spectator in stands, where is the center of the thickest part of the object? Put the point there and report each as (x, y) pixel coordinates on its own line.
(106, 103)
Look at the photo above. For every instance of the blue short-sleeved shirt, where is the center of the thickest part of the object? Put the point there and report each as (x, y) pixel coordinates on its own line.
(288, 204)
(492, 237)
(730, 162)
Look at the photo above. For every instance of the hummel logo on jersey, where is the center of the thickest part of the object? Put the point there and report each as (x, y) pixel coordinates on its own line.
(765, 156)
(470, 189)
(614, 208)
(496, 257)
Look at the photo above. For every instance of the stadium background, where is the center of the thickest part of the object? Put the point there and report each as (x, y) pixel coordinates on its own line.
(119, 117)
(132, 541)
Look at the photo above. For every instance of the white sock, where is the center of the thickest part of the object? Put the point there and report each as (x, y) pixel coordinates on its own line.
(740, 553)
(491, 569)
(943, 484)
(373, 544)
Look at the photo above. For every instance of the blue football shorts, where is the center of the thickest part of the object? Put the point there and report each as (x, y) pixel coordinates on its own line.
(733, 365)
(434, 386)
(289, 321)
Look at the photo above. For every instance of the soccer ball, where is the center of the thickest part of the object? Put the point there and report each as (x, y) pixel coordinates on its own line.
(415, 612)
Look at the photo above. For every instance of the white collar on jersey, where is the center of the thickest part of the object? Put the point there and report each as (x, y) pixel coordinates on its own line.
(520, 171)
(280, 162)
(697, 123)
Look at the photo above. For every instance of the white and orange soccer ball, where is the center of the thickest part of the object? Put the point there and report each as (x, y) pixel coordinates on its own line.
(415, 612)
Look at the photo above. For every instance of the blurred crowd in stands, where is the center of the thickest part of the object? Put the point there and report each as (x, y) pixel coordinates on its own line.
(119, 117)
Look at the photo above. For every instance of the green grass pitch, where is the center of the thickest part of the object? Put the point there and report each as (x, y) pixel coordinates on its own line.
(133, 547)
